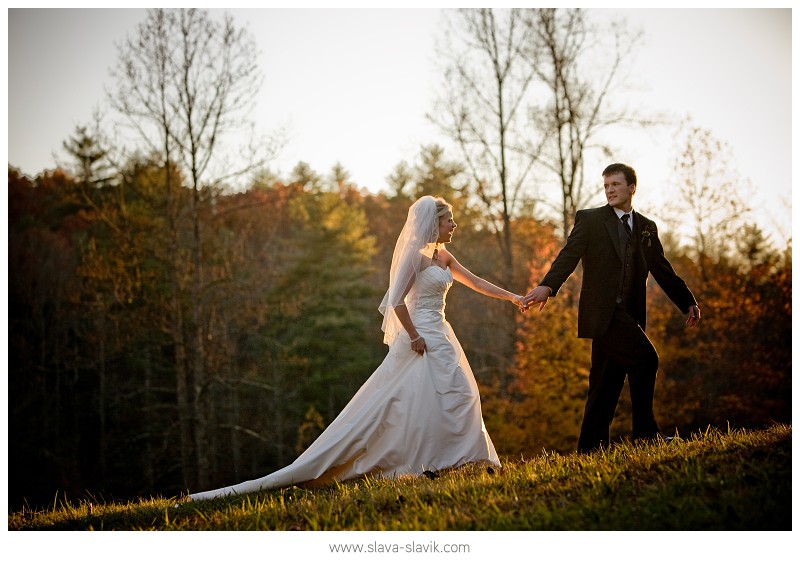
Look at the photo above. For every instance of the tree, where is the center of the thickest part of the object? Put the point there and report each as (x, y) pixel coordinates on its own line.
(399, 178)
(186, 83)
(340, 178)
(42, 293)
(305, 176)
(439, 177)
(578, 104)
(710, 195)
(482, 108)
(542, 406)
(736, 369)
(93, 167)
(323, 297)
(431, 174)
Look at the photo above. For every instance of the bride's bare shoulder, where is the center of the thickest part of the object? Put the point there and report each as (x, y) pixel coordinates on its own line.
(446, 257)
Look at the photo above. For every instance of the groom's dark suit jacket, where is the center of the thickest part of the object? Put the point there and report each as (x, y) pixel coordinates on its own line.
(595, 240)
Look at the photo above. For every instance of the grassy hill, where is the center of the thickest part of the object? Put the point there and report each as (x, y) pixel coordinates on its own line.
(735, 480)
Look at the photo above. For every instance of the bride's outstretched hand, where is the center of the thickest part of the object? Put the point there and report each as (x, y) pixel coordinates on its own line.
(519, 301)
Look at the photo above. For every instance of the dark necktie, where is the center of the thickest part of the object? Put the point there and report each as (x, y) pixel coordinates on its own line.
(625, 222)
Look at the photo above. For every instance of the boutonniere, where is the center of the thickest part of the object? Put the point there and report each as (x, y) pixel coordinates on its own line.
(646, 232)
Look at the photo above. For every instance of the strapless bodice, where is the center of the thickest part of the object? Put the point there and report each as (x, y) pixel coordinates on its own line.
(431, 289)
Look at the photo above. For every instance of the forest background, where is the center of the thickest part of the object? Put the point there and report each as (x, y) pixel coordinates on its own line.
(176, 324)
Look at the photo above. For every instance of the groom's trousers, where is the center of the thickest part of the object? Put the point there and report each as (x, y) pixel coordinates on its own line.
(624, 350)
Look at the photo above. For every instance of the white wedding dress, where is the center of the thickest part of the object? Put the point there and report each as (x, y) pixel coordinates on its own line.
(415, 413)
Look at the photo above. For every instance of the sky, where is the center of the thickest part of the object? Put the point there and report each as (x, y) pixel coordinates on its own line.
(353, 86)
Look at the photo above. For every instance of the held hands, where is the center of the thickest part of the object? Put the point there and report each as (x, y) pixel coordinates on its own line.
(539, 294)
(519, 301)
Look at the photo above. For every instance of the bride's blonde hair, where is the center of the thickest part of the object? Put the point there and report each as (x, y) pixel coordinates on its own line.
(442, 207)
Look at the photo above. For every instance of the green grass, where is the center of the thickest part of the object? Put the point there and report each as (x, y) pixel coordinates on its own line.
(735, 480)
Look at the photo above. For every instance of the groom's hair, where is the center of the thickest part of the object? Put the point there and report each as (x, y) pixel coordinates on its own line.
(617, 167)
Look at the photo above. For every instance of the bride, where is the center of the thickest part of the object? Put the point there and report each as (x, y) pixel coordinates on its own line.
(420, 410)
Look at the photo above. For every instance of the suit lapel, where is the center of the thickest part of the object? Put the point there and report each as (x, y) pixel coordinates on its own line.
(637, 232)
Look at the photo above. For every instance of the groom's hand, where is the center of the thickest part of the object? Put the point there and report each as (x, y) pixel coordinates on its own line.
(694, 316)
(539, 294)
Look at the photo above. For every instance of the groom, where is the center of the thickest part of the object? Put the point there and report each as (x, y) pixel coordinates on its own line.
(619, 248)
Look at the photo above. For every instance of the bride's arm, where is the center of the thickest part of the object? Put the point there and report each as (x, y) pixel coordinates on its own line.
(476, 283)
(417, 342)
